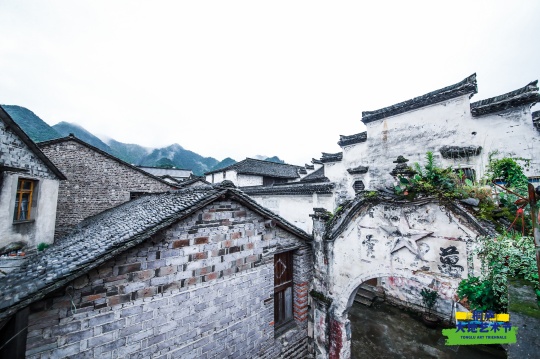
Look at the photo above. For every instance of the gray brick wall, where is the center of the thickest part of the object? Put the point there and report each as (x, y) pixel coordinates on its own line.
(95, 183)
(202, 288)
(15, 153)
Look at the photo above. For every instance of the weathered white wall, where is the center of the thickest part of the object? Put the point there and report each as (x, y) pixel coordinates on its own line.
(41, 226)
(363, 251)
(295, 208)
(248, 180)
(448, 123)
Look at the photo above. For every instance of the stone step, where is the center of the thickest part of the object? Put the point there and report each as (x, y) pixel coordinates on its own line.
(363, 300)
(369, 295)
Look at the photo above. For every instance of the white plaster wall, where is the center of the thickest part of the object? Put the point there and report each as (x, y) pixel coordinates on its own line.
(512, 134)
(296, 209)
(355, 155)
(46, 211)
(363, 251)
(248, 180)
(412, 134)
(448, 123)
(44, 214)
(218, 177)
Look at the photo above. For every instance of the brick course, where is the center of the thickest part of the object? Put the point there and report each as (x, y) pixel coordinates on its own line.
(160, 299)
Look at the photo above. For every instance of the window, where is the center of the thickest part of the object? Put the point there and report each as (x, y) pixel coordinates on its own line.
(23, 201)
(466, 173)
(358, 186)
(283, 289)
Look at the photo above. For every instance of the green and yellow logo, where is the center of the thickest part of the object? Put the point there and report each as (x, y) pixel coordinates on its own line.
(481, 328)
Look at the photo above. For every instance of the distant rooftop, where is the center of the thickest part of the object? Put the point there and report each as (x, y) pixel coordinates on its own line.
(352, 139)
(294, 188)
(172, 172)
(252, 166)
(331, 157)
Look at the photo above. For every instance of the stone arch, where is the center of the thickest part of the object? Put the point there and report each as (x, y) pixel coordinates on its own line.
(344, 301)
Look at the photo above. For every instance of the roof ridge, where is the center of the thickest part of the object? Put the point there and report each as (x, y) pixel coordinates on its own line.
(466, 86)
(527, 94)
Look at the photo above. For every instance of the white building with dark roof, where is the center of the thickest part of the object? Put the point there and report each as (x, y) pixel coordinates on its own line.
(252, 172)
(460, 133)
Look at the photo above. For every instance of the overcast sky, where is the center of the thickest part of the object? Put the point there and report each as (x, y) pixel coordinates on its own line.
(246, 78)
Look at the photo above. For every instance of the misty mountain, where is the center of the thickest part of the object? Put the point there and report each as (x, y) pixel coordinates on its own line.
(274, 159)
(226, 162)
(181, 158)
(34, 126)
(170, 156)
(131, 153)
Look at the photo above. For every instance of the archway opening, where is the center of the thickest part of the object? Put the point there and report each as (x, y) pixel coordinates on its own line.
(383, 327)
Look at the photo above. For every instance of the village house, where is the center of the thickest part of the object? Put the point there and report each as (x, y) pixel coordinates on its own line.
(288, 190)
(96, 181)
(171, 175)
(29, 184)
(194, 273)
(252, 172)
(296, 200)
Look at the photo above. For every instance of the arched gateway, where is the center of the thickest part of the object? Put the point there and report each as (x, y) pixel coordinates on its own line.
(410, 245)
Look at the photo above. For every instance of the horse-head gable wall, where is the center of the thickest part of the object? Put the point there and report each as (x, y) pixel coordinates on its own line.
(408, 245)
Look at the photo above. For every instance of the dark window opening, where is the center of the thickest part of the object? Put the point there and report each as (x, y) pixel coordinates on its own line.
(283, 289)
(269, 181)
(358, 186)
(13, 336)
(466, 173)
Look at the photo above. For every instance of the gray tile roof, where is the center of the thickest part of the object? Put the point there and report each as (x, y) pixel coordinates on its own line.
(192, 180)
(331, 157)
(460, 151)
(108, 234)
(523, 96)
(316, 176)
(352, 139)
(467, 86)
(295, 189)
(358, 170)
(252, 166)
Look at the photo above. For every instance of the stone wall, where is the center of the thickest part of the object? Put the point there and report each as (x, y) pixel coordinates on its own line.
(202, 288)
(15, 153)
(95, 183)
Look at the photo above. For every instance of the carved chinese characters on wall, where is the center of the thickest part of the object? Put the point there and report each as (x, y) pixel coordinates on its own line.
(369, 245)
(449, 258)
